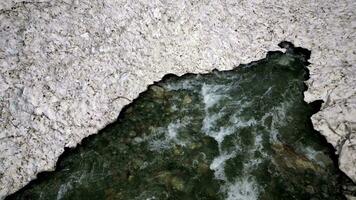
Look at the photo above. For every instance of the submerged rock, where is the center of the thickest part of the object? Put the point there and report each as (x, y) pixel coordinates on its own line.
(288, 159)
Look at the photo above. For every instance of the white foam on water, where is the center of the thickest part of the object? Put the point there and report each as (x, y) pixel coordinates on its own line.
(242, 189)
(212, 94)
(258, 143)
(263, 119)
(221, 134)
(146, 195)
(209, 121)
(218, 165)
(278, 114)
(63, 190)
(238, 122)
(173, 129)
(268, 91)
(182, 85)
(159, 145)
(171, 136)
(174, 107)
(252, 163)
(312, 154)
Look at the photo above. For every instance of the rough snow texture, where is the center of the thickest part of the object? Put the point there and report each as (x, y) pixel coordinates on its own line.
(69, 66)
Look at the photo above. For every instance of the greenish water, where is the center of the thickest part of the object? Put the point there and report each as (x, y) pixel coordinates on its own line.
(239, 134)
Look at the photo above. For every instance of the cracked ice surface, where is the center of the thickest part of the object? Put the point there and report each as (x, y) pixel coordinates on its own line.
(68, 67)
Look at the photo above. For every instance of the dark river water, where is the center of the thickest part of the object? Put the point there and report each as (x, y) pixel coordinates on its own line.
(243, 134)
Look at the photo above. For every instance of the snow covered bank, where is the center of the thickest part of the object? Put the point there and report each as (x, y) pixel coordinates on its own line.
(68, 67)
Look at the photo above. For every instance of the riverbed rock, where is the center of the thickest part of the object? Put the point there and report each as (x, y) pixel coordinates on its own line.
(68, 67)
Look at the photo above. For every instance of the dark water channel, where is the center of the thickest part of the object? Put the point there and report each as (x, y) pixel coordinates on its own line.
(240, 134)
